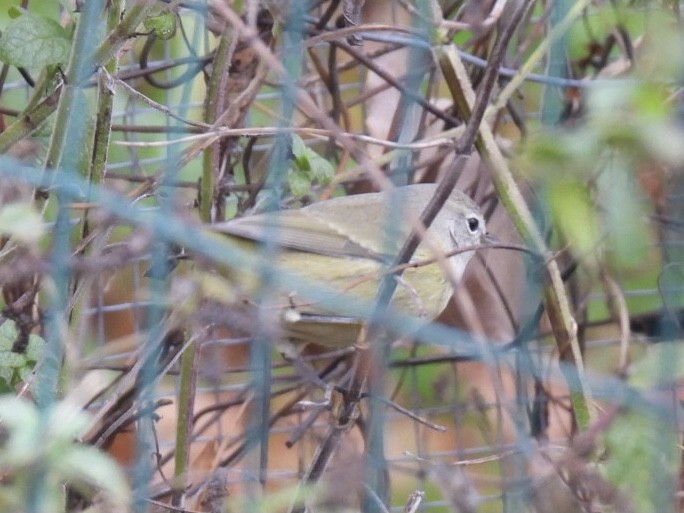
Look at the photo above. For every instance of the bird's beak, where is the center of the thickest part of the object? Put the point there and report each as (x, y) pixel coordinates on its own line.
(489, 238)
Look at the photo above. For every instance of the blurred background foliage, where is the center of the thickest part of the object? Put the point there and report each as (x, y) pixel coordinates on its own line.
(586, 106)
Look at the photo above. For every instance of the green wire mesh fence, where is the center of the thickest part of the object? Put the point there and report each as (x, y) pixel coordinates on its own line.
(548, 383)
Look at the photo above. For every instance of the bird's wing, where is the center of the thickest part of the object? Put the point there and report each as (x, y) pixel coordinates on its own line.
(362, 225)
(300, 230)
(351, 218)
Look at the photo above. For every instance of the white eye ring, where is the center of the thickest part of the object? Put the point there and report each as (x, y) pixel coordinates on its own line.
(473, 224)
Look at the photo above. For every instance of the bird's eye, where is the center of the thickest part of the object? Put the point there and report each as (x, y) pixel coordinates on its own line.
(473, 224)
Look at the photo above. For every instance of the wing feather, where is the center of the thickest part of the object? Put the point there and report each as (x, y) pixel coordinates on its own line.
(339, 227)
(297, 229)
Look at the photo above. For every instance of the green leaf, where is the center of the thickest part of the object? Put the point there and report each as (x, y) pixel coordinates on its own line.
(321, 169)
(6, 379)
(15, 367)
(36, 446)
(22, 374)
(5, 389)
(66, 422)
(35, 348)
(14, 12)
(162, 24)
(307, 167)
(22, 422)
(86, 465)
(641, 445)
(8, 334)
(574, 214)
(624, 212)
(22, 222)
(642, 451)
(663, 363)
(11, 363)
(299, 183)
(33, 41)
(10, 359)
(300, 152)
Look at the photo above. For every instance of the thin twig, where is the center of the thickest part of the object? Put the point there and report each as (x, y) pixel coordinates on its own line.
(421, 420)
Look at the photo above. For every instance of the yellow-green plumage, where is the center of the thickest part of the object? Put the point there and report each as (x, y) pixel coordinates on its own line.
(344, 244)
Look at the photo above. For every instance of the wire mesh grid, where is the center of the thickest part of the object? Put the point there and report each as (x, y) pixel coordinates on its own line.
(474, 423)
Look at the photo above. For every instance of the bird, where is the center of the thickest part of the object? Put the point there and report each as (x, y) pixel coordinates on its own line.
(348, 242)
